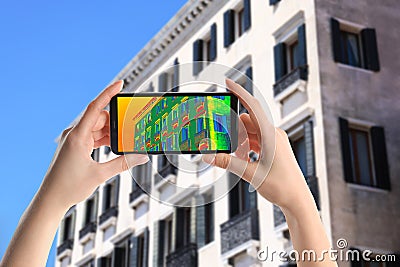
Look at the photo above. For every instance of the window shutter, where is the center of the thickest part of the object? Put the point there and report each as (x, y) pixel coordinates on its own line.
(104, 198)
(174, 226)
(273, 2)
(213, 42)
(247, 14)
(370, 49)
(346, 154)
(200, 222)
(145, 259)
(380, 157)
(233, 197)
(96, 206)
(197, 56)
(229, 27)
(116, 188)
(133, 252)
(302, 49)
(309, 144)
(175, 84)
(336, 45)
(158, 239)
(118, 256)
(179, 238)
(249, 80)
(73, 219)
(162, 82)
(280, 60)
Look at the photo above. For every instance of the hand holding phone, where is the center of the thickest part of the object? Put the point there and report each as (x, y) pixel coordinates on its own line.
(173, 123)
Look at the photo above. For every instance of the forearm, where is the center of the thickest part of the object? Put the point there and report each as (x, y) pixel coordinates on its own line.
(35, 233)
(307, 232)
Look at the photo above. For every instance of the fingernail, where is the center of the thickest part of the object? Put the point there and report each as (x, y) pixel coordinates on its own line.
(208, 158)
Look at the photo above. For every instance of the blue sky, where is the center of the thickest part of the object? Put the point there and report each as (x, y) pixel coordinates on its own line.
(55, 56)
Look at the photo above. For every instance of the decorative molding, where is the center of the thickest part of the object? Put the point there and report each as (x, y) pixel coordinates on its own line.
(119, 237)
(168, 40)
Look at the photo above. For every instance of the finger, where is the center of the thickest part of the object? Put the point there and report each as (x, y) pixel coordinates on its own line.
(256, 111)
(105, 141)
(249, 124)
(120, 164)
(259, 118)
(93, 110)
(226, 161)
(103, 120)
(101, 133)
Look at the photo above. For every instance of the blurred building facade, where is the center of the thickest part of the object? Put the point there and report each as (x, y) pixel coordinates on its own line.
(329, 72)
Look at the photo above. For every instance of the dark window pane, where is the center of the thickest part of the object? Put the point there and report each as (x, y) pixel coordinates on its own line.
(241, 23)
(350, 48)
(361, 157)
(293, 51)
(299, 149)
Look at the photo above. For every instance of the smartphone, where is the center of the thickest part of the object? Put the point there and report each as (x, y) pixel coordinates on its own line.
(173, 123)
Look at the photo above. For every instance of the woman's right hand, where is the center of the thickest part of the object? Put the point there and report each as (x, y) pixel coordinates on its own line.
(276, 174)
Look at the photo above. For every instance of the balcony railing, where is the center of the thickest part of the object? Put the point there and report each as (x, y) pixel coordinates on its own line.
(66, 244)
(164, 172)
(110, 212)
(138, 191)
(200, 136)
(185, 256)
(299, 73)
(88, 228)
(184, 146)
(240, 229)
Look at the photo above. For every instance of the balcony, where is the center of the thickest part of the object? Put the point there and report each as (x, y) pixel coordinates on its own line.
(87, 229)
(199, 137)
(240, 229)
(65, 246)
(111, 212)
(184, 146)
(164, 172)
(183, 257)
(312, 183)
(298, 74)
(138, 191)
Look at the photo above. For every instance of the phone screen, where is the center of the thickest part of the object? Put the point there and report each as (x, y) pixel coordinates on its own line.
(173, 123)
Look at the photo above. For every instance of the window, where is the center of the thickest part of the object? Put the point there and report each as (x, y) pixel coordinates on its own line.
(91, 210)
(139, 246)
(182, 227)
(236, 22)
(105, 261)
(354, 46)
(110, 194)
(184, 133)
(209, 222)
(166, 81)
(157, 126)
(162, 241)
(240, 199)
(120, 255)
(200, 125)
(246, 81)
(67, 227)
(220, 123)
(364, 155)
(205, 49)
(290, 54)
(299, 150)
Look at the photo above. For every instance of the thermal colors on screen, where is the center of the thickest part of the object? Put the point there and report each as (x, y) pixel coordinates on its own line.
(174, 123)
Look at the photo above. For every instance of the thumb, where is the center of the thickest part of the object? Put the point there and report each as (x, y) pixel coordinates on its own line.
(121, 164)
(227, 161)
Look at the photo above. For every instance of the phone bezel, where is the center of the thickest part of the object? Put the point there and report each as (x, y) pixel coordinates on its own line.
(114, 122)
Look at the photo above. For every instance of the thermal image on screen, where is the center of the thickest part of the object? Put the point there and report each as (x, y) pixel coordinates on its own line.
(174, 123)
